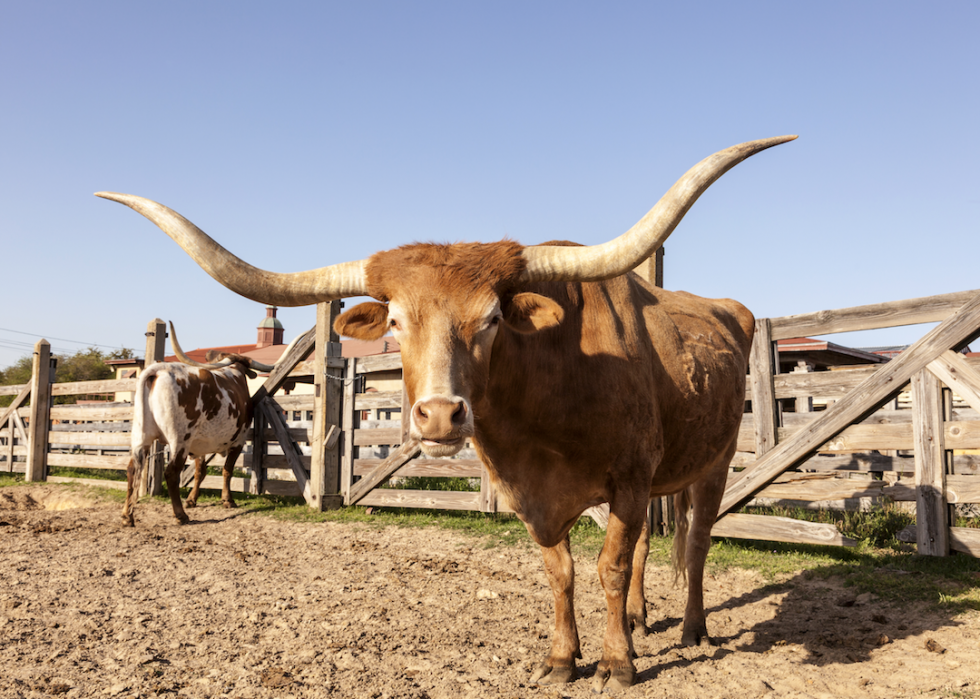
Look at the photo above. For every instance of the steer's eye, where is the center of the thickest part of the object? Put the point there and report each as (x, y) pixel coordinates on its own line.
(393, 324)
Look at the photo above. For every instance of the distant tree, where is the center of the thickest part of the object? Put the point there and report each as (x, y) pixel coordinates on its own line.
(84, 365)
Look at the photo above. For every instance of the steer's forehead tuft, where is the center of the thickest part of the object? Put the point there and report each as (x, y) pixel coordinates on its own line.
(445, 269)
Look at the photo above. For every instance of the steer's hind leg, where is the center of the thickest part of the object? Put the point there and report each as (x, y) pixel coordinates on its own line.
(636, 603)
(172, 476)
(626, 516)
(705, 497)
(559, 666)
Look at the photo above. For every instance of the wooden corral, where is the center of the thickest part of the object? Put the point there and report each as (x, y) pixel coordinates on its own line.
(345, 444)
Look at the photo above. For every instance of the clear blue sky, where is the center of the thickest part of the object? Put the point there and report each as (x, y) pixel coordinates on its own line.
(302, 134)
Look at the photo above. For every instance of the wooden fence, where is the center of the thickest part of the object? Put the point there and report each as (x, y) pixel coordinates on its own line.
(344, 444)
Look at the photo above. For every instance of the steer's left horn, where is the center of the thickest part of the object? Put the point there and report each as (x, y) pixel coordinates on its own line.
(296, 289)
(620, 255)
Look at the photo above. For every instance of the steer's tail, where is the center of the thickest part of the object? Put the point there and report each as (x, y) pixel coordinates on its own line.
(682, 524)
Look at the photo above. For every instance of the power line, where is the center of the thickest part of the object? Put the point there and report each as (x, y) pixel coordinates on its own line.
(61, 339)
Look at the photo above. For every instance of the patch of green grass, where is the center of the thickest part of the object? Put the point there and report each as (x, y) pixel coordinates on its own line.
(9, 479)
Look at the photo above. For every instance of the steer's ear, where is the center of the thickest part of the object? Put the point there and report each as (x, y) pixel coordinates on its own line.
(365, 321)
(529, 313)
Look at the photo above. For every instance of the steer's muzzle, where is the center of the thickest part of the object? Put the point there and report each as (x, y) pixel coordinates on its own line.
(441, 425)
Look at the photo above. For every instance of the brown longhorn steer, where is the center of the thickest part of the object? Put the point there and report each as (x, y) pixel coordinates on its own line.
(577, 382)
(197, 409)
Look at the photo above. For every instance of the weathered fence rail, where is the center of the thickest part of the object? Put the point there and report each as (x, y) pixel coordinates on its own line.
(906, 431)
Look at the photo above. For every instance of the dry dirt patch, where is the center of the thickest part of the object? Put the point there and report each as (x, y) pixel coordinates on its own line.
(244, 606)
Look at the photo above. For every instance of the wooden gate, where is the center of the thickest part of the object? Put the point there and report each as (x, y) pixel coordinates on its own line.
(933, 432)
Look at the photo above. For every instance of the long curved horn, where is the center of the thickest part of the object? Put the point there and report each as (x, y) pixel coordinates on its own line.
(184, 359)
(296, 289)
(620, 255)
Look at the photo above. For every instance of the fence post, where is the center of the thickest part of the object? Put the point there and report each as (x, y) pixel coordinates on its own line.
(327, 387)
(256, 483)
(156, 343)
(42, 375)
(763, 361)
(931, 513)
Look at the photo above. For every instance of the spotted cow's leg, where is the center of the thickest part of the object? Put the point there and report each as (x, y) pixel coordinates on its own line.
(226, 471)
(200, 471)
(559, 666)
(172, 476)
(626, 516)
(133, 471)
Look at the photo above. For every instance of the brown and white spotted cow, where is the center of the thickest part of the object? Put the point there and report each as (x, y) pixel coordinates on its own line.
(197, 409)
(577, 382)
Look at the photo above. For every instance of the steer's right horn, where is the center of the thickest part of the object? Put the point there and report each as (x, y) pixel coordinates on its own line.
(295, 289)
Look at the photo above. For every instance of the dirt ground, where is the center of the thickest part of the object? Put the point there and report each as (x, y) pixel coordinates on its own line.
(245, 606)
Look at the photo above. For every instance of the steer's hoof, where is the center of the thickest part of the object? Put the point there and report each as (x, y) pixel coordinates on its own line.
(547, 674)
(183, 519)
(229, 504)
(128, 521)
(696, 637)
(190, 503)
(613, 680)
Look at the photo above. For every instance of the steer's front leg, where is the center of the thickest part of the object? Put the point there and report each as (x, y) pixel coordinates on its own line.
(616, 670)
(559, 666)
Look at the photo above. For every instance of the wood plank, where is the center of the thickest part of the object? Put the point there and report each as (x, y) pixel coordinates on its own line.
(427, 499)
(94, 413)
(850, 462)
(958, 328)
(765, 410)
(931, 513)
(391, 361)
(814, 488)
(769, 528)
(40, 413)
(115, 463)
(406, 452)
(267, 405)
(378, 399)
(296, 401)
(11, 409)
(97, 439)
(961, 539)
(13, 389)
(928, 309)
(350, 420)
(821, 384)
(383, 436)
(867, 435)
(298, 350)
(80, 388)
(328, 396)
(425, 468)
(952, 369)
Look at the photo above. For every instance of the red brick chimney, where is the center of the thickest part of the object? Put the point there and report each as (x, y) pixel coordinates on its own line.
(270, 329)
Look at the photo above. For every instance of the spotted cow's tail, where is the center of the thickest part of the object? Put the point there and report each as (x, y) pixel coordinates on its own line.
(682, 524)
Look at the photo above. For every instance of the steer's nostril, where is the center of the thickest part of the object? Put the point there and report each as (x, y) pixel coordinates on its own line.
(459, 415)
